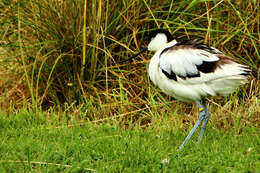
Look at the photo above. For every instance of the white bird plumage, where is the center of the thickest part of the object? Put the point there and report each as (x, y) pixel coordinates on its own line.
(183, 62)
(191, 71)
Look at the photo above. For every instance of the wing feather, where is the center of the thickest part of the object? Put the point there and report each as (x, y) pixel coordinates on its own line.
(195, 63)
(185, 62)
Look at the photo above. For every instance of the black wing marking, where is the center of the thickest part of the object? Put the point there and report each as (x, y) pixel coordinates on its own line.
(207, 67)
(193, 44)
(172, 75)
(196, 44)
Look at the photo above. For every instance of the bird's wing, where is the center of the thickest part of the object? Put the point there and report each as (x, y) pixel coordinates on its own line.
(187, 60)
(192, 62)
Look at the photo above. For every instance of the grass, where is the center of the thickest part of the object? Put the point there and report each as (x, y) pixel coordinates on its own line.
(49, 60)
(36, 144)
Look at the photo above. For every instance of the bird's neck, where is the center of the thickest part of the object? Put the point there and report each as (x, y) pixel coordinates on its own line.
(155, 61)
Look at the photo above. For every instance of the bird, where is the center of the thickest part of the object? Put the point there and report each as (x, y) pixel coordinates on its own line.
(191, 71)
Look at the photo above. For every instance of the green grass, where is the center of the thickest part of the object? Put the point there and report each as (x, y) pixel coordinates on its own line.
(36, 144)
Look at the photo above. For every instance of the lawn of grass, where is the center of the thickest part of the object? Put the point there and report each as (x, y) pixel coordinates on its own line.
(30, 144)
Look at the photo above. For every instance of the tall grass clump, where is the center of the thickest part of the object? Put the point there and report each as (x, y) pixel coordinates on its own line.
(59, 53)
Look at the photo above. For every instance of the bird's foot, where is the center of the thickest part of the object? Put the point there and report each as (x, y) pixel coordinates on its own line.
(202, 116)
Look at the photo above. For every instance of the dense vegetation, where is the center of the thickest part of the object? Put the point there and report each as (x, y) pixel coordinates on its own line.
(48, 60)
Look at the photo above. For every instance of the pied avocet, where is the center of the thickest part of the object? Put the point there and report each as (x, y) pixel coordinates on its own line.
(191, 71)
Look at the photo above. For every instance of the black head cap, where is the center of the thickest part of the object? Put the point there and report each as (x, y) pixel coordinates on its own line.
(153, 33)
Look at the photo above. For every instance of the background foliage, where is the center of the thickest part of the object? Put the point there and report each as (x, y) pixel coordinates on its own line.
(62, 54)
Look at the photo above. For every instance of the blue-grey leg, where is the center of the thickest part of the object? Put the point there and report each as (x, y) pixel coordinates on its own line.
(202, 116)
(205, 121)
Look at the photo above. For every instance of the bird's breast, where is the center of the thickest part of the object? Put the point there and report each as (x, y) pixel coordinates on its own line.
(154, 69)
